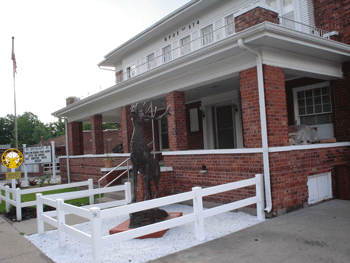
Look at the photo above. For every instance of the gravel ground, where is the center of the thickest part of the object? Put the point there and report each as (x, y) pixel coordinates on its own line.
(141, 250)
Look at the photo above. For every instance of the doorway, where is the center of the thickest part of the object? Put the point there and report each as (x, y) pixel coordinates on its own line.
(224, 125)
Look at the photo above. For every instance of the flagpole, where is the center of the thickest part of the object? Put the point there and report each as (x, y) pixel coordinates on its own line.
(14, 89)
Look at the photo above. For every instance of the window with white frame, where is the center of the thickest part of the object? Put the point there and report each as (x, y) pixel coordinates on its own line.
(166, 54)
(151, 62)
(230, 25)
(286, 9)
(314, 105)
(131, 71)
(207, 35)
(185, 45)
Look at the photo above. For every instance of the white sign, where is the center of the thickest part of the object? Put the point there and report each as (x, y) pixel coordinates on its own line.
(40, 154)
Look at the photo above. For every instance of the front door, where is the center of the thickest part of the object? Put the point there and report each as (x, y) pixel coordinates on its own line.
(224, 127)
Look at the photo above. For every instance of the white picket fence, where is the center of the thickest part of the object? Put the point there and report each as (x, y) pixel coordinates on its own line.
(17, 193)
(96, 215)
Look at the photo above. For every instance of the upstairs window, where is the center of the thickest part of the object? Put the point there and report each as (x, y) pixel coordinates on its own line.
(185, 45)
(207, 35)
(166, 54)
(285, 8)
(131, 71)
(151, 62)
(230, 25)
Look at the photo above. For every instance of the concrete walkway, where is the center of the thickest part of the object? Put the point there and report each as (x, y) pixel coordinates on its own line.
(319, 233)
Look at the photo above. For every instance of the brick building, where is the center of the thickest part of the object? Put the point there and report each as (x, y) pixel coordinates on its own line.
(239, 76)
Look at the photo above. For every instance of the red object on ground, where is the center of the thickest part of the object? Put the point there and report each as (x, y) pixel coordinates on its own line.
(124, 227)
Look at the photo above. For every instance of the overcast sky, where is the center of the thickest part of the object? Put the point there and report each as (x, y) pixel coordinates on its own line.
(58, 44)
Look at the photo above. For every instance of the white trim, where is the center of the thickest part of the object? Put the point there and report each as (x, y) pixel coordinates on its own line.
(308, 147)
(97, 155)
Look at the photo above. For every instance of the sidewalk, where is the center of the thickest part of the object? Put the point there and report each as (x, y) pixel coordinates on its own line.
(319, 233)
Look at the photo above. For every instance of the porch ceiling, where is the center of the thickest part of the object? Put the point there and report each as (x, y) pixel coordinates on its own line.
(214, 69)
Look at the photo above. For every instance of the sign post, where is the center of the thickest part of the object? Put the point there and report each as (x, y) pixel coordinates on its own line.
(12, 159)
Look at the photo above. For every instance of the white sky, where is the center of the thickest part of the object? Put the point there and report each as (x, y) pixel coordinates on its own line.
(58, 44)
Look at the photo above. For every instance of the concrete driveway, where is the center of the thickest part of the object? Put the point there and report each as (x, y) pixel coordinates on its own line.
(319, 233)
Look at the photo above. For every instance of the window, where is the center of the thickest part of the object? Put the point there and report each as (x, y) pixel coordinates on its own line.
(230, 26)
(164, 134)
(271, 3)
(151, 62)
(286, 10)
(131, 71)
(166, 54)
(185, 45)
(207, 35)
(314, 106)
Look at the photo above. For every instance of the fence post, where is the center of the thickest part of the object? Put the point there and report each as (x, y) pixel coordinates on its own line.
(7, 196)
(128, 192)
(260, 195)
(39, 212)
(198, 209)
(96, 235)
(61, 219)
(91, 187)
(18, 204)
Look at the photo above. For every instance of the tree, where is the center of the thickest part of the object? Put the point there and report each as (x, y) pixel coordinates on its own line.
(57, 128)
(6, 129)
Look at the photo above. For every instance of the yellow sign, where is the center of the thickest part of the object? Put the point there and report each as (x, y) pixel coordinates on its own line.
(14, 175)
(12, 158)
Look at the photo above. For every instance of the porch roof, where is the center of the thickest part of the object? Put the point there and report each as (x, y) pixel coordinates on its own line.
(219, 61)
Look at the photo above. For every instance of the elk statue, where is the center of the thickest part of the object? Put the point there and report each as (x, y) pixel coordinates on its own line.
(140, 157)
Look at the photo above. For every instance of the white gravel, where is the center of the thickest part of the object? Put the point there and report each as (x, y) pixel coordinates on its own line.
(141, 250)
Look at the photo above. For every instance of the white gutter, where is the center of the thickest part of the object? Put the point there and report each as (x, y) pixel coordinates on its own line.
(262, 123)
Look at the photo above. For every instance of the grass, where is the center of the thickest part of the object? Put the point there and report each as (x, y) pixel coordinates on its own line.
(32, 197)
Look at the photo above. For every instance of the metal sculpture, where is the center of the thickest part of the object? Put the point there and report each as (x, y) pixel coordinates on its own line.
(141, 159)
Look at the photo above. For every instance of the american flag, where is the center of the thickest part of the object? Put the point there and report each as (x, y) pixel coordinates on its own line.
(13, 57)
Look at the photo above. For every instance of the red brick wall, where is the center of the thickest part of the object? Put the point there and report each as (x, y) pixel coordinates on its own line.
(97, 134)
(276, 106)
(341, 105)
(82, 169)
(222, 169)
(126, 127)
(250, 108)
(334, 15)
(253, 17)
(110, 139)
(177, 126)
(289, 173)
(75, 138)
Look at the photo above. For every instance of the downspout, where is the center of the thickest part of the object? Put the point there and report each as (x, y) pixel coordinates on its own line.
(67, 148)
(262, 123)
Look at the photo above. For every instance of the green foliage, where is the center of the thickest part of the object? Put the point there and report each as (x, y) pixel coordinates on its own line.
(6, 129)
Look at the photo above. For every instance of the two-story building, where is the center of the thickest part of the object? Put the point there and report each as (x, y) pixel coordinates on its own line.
(239, 76)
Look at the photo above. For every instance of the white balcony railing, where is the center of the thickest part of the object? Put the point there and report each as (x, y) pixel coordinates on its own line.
(198, 41)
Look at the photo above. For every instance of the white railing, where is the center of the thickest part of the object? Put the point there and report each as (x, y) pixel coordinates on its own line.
(96, 215)
(17, 193)
(304, 28)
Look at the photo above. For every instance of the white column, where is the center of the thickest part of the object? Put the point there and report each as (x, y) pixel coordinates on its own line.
(25, 182)
(53, 152)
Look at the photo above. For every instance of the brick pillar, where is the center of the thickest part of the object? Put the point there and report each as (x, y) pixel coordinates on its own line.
(127, 127)
(253, 17)
(177, 127)
(97, 134)
(341, 105)
(276, 106)
(75, 138)
(250, 108)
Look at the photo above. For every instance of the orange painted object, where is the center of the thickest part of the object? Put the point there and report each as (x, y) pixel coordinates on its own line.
(125, 227)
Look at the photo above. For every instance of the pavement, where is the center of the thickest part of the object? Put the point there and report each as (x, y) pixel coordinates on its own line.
(319, 233)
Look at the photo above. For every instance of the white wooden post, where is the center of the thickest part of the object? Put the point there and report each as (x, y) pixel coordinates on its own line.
(53, 152)
(25, 182)
(128, 192)
(7, 196)
(198, 210)
(260, 194)
(91, 187)
(96, 235)
(61, 219)
(18, 204)
(39, 212)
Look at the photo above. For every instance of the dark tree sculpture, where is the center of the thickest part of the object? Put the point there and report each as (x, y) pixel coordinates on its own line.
(141, 159)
